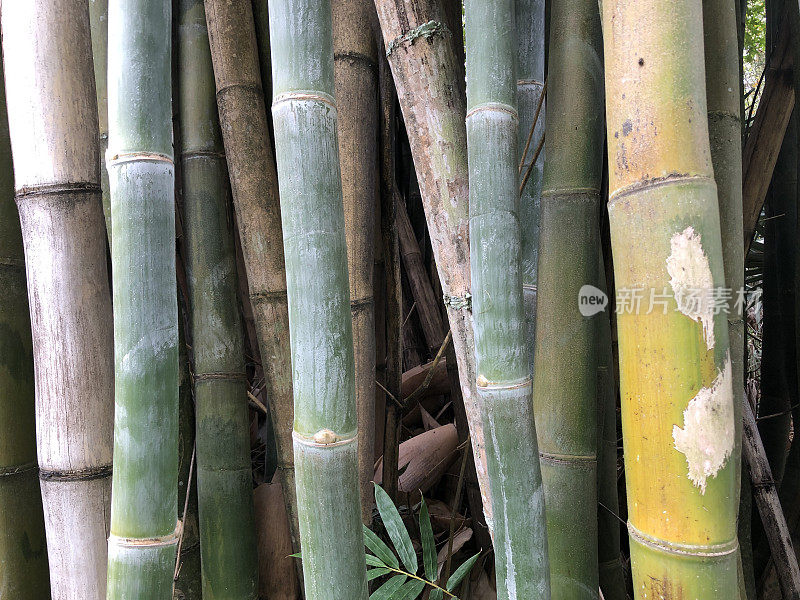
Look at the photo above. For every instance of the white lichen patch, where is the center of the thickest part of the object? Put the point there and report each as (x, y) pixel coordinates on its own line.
(706, 439)
(691, 281)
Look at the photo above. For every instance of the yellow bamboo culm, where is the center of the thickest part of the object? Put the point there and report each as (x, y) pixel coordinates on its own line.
(678, 417)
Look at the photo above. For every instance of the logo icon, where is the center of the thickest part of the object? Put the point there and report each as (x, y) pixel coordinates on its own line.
(591, 300)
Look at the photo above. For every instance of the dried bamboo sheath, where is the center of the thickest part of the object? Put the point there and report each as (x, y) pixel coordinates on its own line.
(325, 424)
(678, 412)
(53, 116)
(144, 529)
(254, 185)
(23, 547)
(224, 482)
(502, 363)
(356, 90)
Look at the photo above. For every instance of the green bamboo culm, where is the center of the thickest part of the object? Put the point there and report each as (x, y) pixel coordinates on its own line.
(723, 93)
(325, 429)
(676, 379)
(23, 548)
(503, 367)
(530, 19)
(98, 19)
(144, 533)
(566, 402)
(224, 480)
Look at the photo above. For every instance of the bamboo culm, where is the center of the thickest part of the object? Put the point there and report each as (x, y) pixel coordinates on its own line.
(23, 547)
(325, 422)
(98, 16)
(530, 19)
(675, 363)
(144, 527)
(254, 184)
(224, 480)
(356, 89)
(54, 142)
(501, 354)
(566, 404)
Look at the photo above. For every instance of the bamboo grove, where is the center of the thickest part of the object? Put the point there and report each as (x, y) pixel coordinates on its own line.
(399, 299)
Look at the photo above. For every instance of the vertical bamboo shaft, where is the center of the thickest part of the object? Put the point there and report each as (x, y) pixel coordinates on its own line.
(530, 16)
(424, 67)
(98, 16)
(144, 533)
(566, 406)
(188, 580)
(678, 413)
(53, 124)
(356, 87)
(254, 183)
(224, 481)
(501, 353)
(325, 423)
(23, 547)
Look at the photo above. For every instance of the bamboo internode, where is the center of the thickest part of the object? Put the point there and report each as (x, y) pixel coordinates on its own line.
(144, 527)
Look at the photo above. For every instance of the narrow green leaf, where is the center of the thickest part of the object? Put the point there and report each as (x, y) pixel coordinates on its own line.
(436, 594)
(410, 591)
(379, 548)
(298, 555)
(387, 589)
(396, 529)
(375, 573)
(428, 542)
(374, 561)
(460, 573)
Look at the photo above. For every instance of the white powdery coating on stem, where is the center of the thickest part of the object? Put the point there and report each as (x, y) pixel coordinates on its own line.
(691, 281)
(708, 429)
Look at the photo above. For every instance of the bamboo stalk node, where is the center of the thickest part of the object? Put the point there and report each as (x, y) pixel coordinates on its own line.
(219, 375)
(495, 107)
(357, 57)
(533, 82)
(575, 460)
(76, 475)
(171, 539)
(302, 96)
(710, 550)
(458, 302)
(426, 31)
(17, 263)
(119, 158)
(644, 184)
(18, 469)
(324, 438)
(54, 189)
(485, 384)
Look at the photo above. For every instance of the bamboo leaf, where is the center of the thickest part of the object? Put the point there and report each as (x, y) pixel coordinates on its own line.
(390, 587)
(396, 529)
(428, 541)
(436, 594)
(460, 573)
(410, 590)
(374, 561)
(379, 548)
(375, 573)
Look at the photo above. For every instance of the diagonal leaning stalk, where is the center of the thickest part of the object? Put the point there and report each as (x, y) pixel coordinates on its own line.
(53, 125)
(23, 547)
(501, 353)
(224, 478)
(566, 404)
(678, 413)
(144, 533)
(325, 424)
